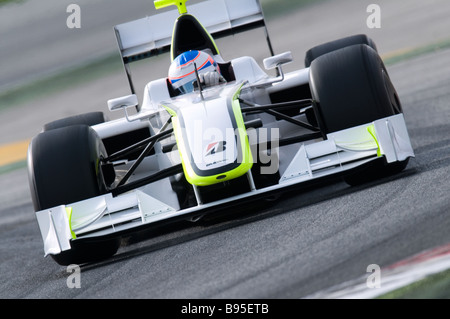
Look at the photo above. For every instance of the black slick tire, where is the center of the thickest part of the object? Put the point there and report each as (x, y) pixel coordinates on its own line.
(331, 46)
(63, 168)
(90, 119)
(351, 87)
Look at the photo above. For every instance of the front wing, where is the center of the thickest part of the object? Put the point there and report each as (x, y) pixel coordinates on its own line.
(109, 215)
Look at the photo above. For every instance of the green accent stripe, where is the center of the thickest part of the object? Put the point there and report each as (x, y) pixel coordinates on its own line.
(181, 4)
(69, 211)
(371, 130)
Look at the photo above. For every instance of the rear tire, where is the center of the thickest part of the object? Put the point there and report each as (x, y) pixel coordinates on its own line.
(351, 87)
(63, 168)
(92, 118)
(328, 47)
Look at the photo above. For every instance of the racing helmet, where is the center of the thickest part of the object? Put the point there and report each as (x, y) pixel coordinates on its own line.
(182, 71)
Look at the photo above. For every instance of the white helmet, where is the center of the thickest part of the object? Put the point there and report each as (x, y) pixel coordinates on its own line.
(182, 71)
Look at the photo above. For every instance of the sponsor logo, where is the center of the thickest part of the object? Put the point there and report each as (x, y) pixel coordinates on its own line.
(216, 147)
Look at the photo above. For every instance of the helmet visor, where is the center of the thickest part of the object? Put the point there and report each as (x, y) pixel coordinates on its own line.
(188, 87)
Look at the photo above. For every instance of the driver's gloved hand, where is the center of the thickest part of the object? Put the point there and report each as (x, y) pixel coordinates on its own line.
(209, 79)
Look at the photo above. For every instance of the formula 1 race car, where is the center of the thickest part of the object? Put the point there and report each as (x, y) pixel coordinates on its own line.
(192, 148)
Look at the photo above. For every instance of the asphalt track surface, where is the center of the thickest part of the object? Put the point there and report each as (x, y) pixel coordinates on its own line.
(305, 242)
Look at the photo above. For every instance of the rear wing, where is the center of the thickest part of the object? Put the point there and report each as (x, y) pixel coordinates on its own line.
(152, 35)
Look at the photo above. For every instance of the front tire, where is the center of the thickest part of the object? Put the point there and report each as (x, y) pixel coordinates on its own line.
(63, 168)
(351, 87)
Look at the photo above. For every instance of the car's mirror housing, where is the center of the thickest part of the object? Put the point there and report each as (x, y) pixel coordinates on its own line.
(123, 102)
(277, 60)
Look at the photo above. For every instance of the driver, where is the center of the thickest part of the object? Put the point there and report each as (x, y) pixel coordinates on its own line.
(182, 73)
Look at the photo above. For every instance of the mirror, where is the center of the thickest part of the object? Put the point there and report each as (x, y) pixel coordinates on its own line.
(277, 60)
(123, 102)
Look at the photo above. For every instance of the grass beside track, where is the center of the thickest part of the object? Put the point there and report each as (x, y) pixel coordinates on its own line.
(92, 70)
(4, 2)
(433, 287)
